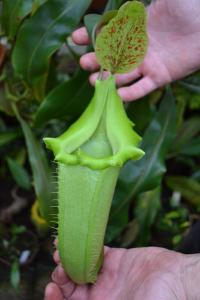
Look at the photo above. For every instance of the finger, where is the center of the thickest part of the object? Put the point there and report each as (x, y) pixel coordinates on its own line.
(53, 292)
(89, 62)
(59, 276)
(80, 36)
(122, 79)
(56, 257)
(137, 90)
(66, 285)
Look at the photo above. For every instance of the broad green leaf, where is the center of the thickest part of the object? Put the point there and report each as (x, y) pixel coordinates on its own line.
(116, 225)
(113, 4)
(90, 22)
(7, 137)
(129, 234)
(147, 173)
(20, 155)
(147, 207)
(15, 274)
(192, 82)
(13, 13)
(37, 4)
(106, 17)
(188, 187)
(144, 108)
(186, 136)
(188, 91)
(191, 87)
(193, 148)
(19, 174)
(41, 35)
(122, 44)
(42, 179)
(67, 99)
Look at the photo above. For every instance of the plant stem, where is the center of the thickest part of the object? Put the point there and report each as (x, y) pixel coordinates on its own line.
(100, 76)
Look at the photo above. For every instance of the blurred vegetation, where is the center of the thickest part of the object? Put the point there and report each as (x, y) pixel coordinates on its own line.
(42, 91)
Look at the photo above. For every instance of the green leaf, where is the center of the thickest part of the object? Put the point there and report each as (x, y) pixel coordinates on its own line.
(188, 91)
(188, 187)
(186, 137)
(191, 87)
(17, 229)
(121, 45)
(37, 4)
(68, 99)
(7, 137)
(193, 148)
(90, 22)
(42, 179)
(13, 13)
(15, 274)
(93, 23)
(146, 2)
(138, 108)
(41, 35)
(130, 234)
(177, 239)
(147, 173)
(116, 225)
(113, 4)
(5, 105)
(106, 17)
(147, 208)
(192, 82)
(19, 174)
(196, 175)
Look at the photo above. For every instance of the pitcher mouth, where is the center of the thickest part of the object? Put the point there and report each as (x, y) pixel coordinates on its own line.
(123, 140)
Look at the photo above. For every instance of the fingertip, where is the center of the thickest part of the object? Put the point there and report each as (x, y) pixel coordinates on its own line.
(89, 62)
(56, 257)
(137, 90)
(124, 94)
(93, 78)
(80, 36)
(83, 63)
(123, 79)
(53, 292)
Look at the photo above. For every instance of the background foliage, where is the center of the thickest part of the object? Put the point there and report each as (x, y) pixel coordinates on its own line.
(42, 91)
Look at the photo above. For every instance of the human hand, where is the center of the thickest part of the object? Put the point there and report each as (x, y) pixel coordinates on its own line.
(140, 273)
(173, 52)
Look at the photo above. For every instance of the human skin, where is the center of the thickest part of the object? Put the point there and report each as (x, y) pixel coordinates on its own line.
(146, 273)
(142, 273)
(173, 52)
